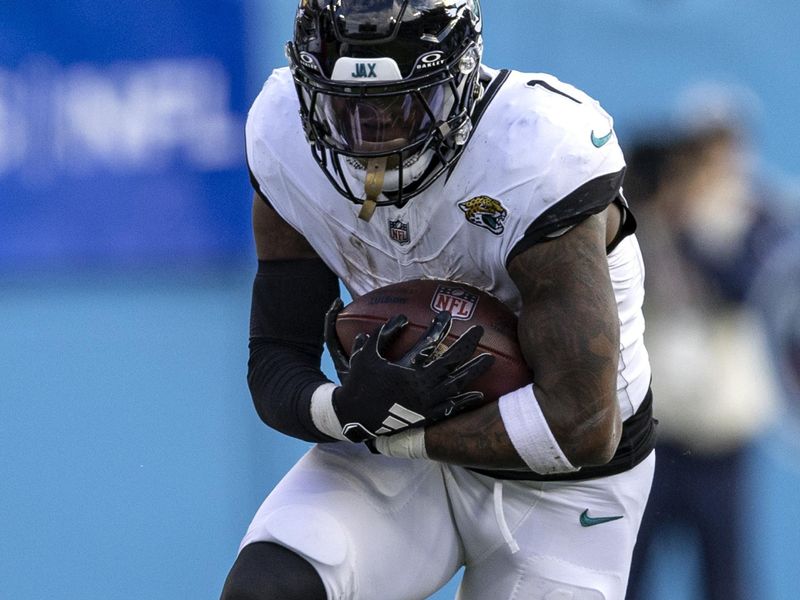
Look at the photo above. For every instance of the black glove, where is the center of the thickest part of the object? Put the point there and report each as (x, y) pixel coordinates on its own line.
(380, 397)
(340, 361)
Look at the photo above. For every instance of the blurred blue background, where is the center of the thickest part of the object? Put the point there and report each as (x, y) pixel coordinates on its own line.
(131, 460)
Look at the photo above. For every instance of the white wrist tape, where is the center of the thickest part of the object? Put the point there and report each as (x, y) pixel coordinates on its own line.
(409, 443)
(530, 434)
(322, 413)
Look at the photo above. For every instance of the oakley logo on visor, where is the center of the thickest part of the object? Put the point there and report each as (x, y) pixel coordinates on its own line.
(374, 69)
(308, 61)
(431, 59)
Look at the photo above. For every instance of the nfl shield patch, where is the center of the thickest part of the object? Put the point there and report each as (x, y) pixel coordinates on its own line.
(460, 302)
(398, 231)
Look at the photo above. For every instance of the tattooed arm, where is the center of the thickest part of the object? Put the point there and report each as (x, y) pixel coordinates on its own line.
(569, 333)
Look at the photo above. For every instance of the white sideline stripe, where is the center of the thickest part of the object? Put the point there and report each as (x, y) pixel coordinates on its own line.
(403, 413)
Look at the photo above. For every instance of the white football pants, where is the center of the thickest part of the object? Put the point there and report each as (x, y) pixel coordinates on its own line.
(379, 528)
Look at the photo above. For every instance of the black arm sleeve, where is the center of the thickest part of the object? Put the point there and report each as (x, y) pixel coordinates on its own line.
(290, 298)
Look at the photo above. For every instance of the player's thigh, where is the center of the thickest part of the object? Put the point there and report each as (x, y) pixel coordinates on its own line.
(372, 526)
(562, 555)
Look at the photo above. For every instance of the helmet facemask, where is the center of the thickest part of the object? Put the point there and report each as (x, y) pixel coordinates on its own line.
(374, 131)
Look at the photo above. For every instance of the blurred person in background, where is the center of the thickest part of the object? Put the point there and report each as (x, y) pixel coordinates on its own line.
(708, 224)
(776, 294)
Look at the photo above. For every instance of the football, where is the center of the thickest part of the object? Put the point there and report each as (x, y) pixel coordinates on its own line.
(419, 300)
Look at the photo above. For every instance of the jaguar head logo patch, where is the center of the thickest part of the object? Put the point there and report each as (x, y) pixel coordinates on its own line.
(485, 212)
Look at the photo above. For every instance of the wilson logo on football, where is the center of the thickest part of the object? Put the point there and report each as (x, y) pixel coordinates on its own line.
(459, 302)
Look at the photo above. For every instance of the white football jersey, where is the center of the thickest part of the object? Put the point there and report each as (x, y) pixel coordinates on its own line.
(537, 141)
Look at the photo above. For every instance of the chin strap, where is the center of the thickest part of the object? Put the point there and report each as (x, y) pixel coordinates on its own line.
(373, 186)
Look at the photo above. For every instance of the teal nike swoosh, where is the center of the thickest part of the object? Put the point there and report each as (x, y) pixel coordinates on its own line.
(599, 142)
(587, 521)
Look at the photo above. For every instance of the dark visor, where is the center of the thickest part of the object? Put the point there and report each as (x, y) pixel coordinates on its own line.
(383, 123)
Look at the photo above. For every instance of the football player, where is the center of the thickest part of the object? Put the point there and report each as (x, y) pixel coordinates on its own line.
(385, 152)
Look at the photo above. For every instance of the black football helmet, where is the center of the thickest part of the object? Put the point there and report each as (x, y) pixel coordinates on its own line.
(386, 90)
